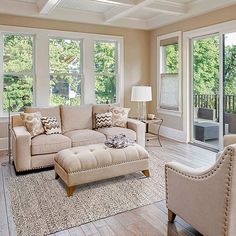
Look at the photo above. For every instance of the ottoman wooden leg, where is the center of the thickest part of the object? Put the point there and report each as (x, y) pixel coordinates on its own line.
(146, 173)
(70, 191)
(56, 175)
(171, 216)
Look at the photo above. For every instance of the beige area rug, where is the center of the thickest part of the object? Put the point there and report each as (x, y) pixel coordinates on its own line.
(40, 205)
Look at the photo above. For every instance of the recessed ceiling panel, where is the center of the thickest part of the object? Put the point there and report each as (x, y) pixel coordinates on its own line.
(143, 14)
(85, 5)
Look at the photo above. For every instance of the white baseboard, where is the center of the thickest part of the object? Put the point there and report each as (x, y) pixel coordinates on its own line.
(170, 133)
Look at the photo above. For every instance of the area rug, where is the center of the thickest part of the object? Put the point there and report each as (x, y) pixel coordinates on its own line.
(40, 205)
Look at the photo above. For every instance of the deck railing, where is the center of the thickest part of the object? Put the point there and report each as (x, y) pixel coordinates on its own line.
(212, 102)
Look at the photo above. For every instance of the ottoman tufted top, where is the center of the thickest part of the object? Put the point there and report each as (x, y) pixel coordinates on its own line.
(94, 156)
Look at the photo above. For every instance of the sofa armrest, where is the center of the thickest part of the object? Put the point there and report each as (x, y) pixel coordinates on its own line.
(140, 129)
(229, 139)
(21, 148)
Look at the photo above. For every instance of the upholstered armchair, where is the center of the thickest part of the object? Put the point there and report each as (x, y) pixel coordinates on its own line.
(205, 198)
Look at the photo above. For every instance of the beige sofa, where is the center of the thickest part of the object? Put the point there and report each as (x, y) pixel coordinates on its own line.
(77, 125)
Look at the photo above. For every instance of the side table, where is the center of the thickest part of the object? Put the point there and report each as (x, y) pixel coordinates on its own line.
(158, 122)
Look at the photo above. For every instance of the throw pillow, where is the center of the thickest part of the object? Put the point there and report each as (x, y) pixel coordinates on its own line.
(33, 123)
(119, 116)
(103, 120)
(51, 125)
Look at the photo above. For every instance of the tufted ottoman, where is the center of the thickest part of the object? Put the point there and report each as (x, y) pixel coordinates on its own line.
(90, 163)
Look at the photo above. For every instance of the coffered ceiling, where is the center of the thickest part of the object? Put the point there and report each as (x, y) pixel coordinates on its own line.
(140, 14)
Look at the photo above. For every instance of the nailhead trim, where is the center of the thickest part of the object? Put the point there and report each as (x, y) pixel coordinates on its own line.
(35, 168)
(229, 154)
(101, 167)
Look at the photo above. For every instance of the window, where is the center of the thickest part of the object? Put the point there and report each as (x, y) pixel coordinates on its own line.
(106, 71)
(65, 71)
(169, 77)
(18, 71)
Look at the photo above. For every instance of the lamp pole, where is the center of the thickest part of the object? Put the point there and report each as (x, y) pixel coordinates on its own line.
(9, 128)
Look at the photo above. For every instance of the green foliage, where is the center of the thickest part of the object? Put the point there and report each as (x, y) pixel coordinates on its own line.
(64, 56)
(172, 58)
(230, 70)
(18, 54)
(105, 68)
(17, 58)
(206, 65)
(20, 92)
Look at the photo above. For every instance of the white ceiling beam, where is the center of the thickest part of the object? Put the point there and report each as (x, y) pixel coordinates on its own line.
(121, 12)
(168, 7)
(116, 2)
(47, 6)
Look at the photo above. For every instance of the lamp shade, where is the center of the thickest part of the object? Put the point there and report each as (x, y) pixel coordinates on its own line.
(141, 94)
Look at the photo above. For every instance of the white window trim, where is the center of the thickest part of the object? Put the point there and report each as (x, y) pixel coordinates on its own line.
(42, 61)
(159, 63)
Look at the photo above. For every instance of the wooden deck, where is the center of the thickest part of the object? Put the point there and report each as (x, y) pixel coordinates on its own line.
(148, 220)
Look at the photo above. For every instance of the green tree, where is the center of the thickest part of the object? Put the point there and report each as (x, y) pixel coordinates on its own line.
(172, 58)
(206, 65)
(18, 71)
(105, 71)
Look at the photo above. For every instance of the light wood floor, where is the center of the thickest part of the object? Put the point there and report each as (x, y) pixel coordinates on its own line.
(148, 220)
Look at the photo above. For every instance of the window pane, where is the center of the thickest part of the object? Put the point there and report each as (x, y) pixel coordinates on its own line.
(169, 98)
(65, 89)
(105, 57)
(64, 56)
(105, 63)
(105, 88)
(170, 58)
(19, 89)
(18, 53)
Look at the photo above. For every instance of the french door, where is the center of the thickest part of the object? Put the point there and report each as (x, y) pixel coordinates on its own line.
(213, 88)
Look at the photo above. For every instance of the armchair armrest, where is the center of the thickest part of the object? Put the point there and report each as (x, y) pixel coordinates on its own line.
(229, 139)
(21, 146)
(140, 129)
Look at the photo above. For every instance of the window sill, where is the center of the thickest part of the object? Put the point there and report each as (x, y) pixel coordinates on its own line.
(169, 112)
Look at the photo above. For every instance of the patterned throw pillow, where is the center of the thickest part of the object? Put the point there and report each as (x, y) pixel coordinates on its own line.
(33, 123)
(50, 125)
(119, 116)
(103, 120)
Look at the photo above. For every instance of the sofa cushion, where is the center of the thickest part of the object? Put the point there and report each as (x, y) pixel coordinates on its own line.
(103, 120)
(109, 132)
(33, 123)
(76, 117)
(46, 111)
(50, 125)
(100, 108)
(119, 116)
(85, 137)
(44, 144)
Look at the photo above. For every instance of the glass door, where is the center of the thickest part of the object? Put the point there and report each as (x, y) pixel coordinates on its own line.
(229, 82)
(205, 90)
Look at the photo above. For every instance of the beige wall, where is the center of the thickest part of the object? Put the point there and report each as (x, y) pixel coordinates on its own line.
(219, 16)
(136, 46)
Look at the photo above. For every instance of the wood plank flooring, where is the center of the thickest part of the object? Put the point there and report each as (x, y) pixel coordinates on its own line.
(148, 220)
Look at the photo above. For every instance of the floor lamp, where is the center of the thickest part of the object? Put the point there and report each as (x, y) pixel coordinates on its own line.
(141, 94)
